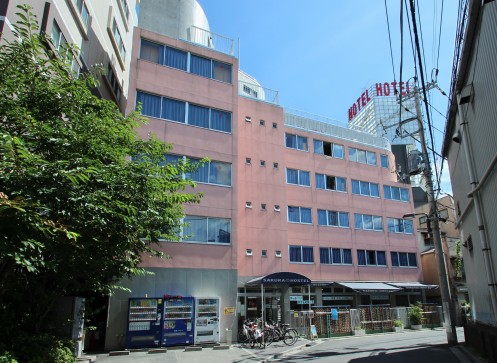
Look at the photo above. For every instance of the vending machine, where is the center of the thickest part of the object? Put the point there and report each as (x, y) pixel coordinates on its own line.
(144, 323)
(207, 320)
(177, 323)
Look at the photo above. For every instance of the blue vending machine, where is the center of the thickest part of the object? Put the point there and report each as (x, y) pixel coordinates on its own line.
(144, 323)
(177, 320)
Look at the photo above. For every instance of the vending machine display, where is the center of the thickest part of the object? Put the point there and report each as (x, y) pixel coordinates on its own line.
(144, 323)
(206, 320)
(177, 321)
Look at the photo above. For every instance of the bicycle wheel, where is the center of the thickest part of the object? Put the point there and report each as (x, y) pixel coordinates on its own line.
(268, 336)
(290, 337)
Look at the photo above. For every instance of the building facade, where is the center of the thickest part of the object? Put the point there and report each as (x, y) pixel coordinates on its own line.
(283, 192)
(470, 149)
(101, 29)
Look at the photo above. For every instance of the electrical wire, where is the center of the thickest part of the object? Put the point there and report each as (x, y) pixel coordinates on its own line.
(440, 34)
(390, 40)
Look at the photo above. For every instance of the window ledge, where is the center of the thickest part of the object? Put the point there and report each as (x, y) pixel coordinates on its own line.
(116, 48)
(123, 16)
(79, 20)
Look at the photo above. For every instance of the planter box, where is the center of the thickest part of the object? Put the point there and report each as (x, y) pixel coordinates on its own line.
(416, 327)
(359, 332)
(398, 329)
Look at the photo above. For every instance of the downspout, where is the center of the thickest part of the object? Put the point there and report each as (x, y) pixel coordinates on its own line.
(475, 194)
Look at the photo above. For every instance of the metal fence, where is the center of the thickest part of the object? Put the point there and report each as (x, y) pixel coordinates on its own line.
(258, 92)
(211, 40)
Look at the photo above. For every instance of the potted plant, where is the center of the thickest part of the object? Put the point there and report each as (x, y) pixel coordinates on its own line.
(358, 330)
(415, 315)
(398, 326)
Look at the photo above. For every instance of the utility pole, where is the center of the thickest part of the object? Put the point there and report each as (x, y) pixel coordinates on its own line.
(435, 228)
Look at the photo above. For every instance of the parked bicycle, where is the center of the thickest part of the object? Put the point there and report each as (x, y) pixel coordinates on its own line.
(252, 334)
(280, 331)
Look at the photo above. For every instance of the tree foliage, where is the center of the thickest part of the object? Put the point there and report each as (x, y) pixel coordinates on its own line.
(76, 212)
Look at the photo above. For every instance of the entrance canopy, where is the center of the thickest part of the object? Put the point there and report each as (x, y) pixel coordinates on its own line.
(280, 278)
(412, 285)
(368, 287)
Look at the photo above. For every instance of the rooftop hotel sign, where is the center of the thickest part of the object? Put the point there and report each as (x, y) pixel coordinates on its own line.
(380, 89)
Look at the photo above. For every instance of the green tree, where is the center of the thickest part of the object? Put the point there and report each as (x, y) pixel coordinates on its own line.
(76, 212)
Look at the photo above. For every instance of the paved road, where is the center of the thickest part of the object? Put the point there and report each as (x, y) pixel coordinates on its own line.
(426, 346)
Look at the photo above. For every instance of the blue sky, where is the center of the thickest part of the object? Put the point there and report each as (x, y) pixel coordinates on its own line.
(320, 55)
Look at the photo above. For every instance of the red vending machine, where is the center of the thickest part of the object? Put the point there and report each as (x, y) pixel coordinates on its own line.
(144, 323)
(177, 323)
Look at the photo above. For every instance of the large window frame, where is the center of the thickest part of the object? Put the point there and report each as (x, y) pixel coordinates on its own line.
(297, 142)
(368, 222)
(301, 254)
(298, 177)
(300, 215)
(330, 182)
(384, 161)
(210, 228)
(335, 256)
(329, 149)
(404, 259)
(333, 218)
(185, 61)
(396, 193)
(211, 172)
(362, 156)
(121, 49)
(371, 258)
(184, 112)
(399, 225)
(364, 188)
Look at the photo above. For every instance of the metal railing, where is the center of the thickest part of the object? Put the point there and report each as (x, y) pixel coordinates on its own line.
(333, 128)
(211, 40)
(257, 92)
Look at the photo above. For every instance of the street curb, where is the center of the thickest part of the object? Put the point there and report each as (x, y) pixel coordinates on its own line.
(118, 352)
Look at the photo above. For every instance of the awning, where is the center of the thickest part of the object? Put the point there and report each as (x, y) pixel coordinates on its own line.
(280, 278)
(412, 285)
(366, 287)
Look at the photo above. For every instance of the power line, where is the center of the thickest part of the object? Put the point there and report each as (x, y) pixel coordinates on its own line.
(390, 40)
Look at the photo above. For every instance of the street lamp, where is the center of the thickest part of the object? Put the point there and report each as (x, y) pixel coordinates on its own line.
(442, 272)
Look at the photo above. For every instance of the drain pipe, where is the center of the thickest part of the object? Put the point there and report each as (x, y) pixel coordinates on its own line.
(475, 194)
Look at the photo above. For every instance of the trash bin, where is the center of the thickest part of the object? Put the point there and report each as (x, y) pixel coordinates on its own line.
(229, 336)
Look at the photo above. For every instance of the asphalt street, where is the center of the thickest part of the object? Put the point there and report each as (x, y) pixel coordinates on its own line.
(426, 346)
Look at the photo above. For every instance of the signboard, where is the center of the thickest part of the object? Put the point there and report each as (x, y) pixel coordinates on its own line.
(334, 314)
(381, 89)
(328, 298)
(314, 333)
(305, 302)
(296, 298)
(379, 297)
(229, 310)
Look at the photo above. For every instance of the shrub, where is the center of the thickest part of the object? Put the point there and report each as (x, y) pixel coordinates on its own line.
(415, 314)
(398, 323)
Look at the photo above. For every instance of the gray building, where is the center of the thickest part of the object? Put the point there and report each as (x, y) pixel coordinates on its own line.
(471, 151)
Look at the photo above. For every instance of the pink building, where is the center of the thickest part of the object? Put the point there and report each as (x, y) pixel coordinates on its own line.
(283, 192)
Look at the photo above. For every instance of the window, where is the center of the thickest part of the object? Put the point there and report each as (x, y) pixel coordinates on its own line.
(210, 68)
(328, 149)
(333, 218)
(384, 161)
(275, 125)
(365, 188)
(362, 156)
(263, 163)
(301, 254)
(299, 215)
(404, 259)
(263, 206)
(396, 225)
(207, 230)
(248, 161)
(57, 37)
(296, 142)
(248, 252)
(264, 253)
(298, 177)
(368, 222)
(174, 110)
(83, 12)
(277, 208)
(275, 165)
(249, 91)
(277, 253)
(119, 40)
(114, 82)
(212, 172)
(248, 204)
(335, 256)
(248, 119)
(125, 7)
(331, 182)
(371, 258)
(262, 122)
(396, 193)
(422, 220)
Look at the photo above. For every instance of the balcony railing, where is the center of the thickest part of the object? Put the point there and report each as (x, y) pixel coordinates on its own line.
(257, 92)
(333, 128)
(212, 40)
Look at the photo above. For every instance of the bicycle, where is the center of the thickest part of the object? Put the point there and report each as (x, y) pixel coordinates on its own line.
(251, 334)
(281, 332)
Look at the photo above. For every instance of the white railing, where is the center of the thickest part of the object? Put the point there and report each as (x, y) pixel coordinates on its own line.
(332, 128)
(211, 40)
(257, 92)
